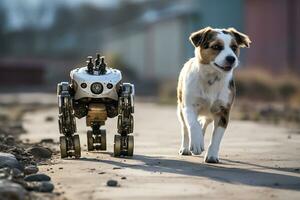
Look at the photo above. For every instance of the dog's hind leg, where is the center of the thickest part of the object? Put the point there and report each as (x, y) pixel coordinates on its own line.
(204, 122)
(184, 148)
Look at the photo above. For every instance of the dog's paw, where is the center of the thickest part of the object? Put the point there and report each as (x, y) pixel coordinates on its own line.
(196, 148)
(211, 159)
(211, 155)
(184, 151)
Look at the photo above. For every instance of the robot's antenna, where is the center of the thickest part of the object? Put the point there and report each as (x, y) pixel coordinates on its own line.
(102, 66)
(97, 60)
(90, 65)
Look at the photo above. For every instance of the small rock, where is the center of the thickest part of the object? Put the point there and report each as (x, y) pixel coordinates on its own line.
(4, 173)
(116, 168)
(10, 161)
(31, 169)
(11, 191)
(123, 178)
(10, 140)
(101, 173)
(37, 177)
(40, 152)
(112, 183)
(296, 169)
(43, 186)
(47, 140)
(16, 173)
(49, 119)
(60, 168)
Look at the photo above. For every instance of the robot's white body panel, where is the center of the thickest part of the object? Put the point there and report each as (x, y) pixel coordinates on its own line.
(81, 76)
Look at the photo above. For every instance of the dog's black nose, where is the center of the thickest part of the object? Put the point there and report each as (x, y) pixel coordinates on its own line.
(230, 59)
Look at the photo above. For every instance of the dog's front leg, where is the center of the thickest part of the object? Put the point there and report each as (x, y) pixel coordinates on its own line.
(220, 124)
(196, 142)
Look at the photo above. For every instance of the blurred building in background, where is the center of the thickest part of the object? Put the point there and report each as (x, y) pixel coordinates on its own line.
(274, 27)
(148, 38)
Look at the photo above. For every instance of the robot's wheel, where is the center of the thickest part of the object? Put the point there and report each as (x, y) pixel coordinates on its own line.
(90, 141)
(117, 146)
(130, 145)
(77, 150)
(63, 147)
(103, 140)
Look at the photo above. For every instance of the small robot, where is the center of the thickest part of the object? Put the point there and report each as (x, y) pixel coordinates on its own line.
(96, 92)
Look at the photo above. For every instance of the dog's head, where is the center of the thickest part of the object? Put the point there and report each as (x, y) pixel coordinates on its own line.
(219, 47)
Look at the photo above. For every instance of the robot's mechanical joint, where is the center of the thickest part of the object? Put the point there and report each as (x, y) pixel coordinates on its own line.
(96, 114)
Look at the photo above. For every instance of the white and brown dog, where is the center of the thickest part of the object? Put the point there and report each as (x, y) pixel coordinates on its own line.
(206, 89)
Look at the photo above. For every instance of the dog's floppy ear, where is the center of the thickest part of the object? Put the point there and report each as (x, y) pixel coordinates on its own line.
(241, 38)
(200, 37)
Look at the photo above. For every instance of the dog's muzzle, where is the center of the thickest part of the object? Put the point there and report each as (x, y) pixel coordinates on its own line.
(226, 68)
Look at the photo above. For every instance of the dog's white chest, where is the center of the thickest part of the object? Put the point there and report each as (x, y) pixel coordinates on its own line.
(211, 95)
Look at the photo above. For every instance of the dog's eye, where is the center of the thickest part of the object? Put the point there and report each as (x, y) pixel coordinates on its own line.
(234, 48)
(217, 47)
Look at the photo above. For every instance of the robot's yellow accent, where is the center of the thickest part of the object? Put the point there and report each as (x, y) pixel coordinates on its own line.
(96, 114)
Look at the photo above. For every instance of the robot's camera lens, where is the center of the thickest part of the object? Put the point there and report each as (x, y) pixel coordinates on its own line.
(96, 88)
(109, 85)
(83, 85)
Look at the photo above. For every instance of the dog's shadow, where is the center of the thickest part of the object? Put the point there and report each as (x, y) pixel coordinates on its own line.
(224, 172)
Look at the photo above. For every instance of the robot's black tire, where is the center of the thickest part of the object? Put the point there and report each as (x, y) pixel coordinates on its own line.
(90, 141)
(130, 143)
(63, 147)
(103, 140)
(77, 149)
(117, 146)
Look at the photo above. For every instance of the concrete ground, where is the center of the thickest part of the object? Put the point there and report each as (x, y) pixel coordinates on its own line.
(258, 161)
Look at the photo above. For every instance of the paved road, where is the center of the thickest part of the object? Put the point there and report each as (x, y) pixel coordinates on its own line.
(258, 161)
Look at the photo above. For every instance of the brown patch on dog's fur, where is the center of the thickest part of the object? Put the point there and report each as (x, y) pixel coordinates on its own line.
(222, 112)
(179, 91)
(241, 38)
(208, 54)
(232, 91)
(201, 37)
(223, 117)
(232, 85)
